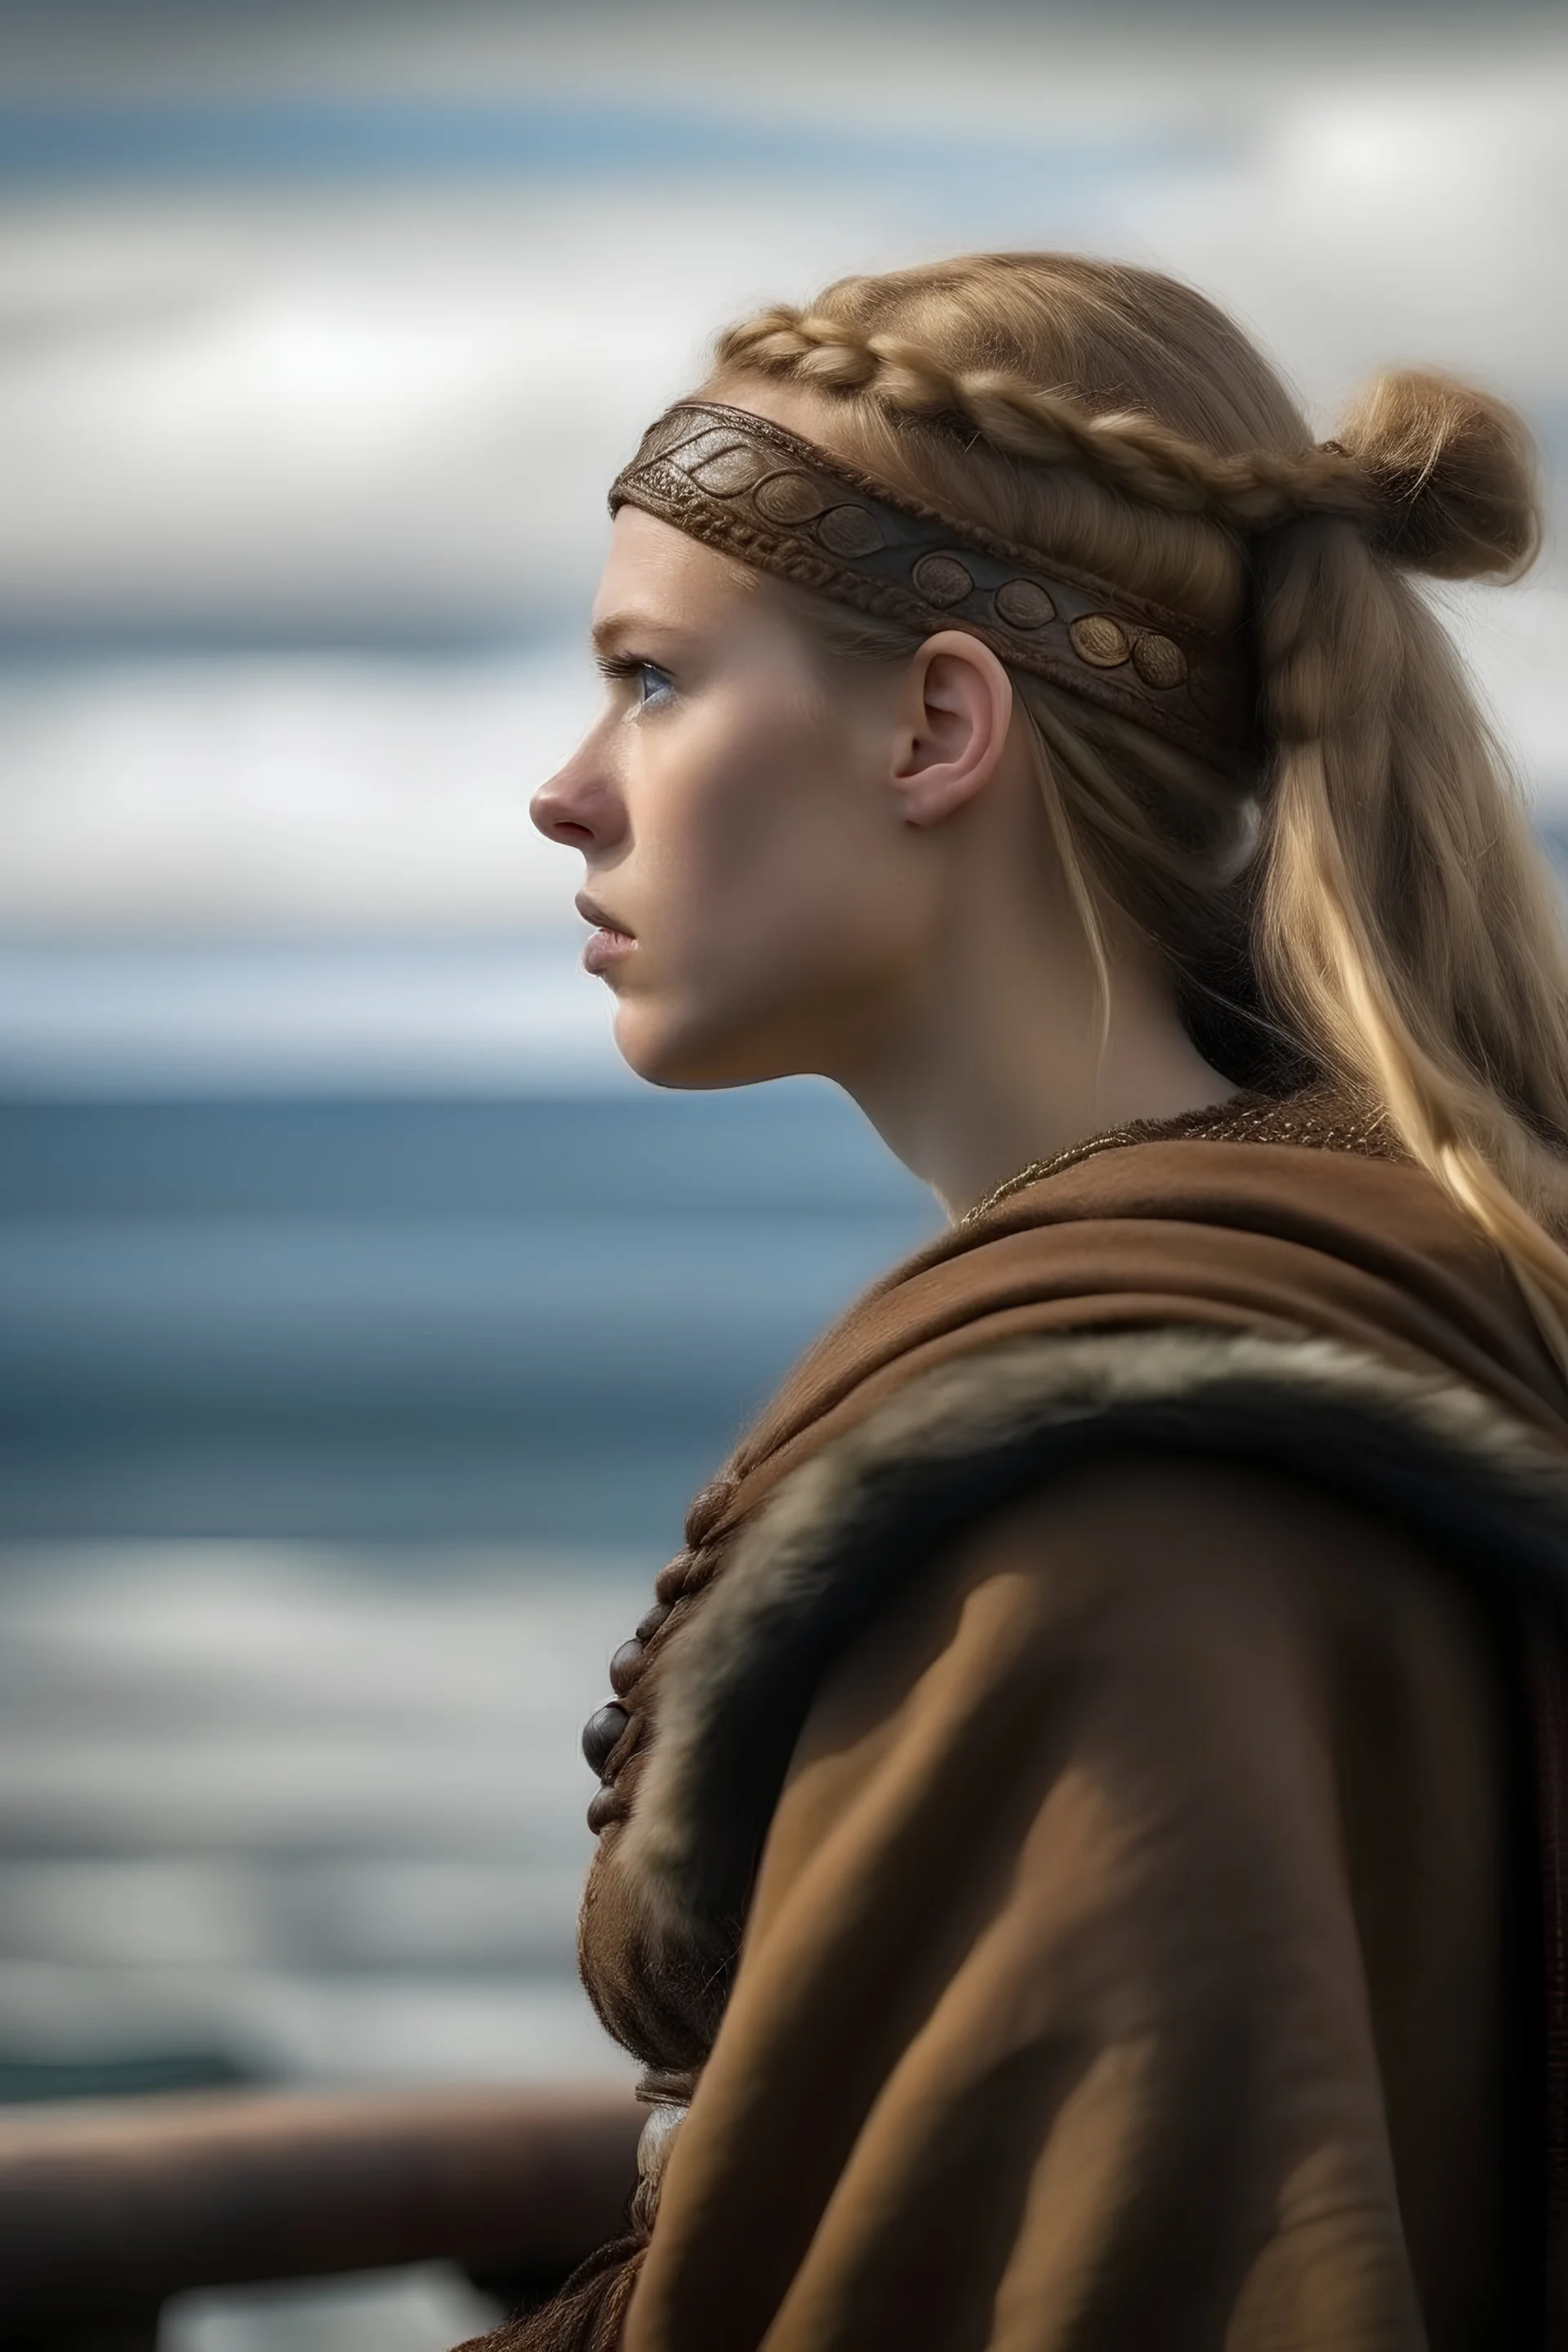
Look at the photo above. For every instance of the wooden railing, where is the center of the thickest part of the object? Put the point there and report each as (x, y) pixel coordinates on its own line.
(106, 2209)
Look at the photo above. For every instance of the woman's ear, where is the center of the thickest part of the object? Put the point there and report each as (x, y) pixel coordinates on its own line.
(953, 726)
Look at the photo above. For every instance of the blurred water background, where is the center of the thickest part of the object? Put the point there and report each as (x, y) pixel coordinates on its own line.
(363, 1327)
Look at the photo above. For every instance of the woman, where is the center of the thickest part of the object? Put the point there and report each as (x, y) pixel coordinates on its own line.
(1078, 1834)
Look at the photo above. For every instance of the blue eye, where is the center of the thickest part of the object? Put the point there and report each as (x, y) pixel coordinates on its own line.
(653, 684)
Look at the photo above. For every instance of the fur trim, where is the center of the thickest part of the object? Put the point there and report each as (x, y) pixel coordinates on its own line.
(846, 1530)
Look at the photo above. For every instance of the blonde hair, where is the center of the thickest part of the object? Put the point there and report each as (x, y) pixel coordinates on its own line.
(1375, 905)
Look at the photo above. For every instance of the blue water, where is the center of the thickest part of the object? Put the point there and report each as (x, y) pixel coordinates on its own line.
(340, 1442)
(414, 1319)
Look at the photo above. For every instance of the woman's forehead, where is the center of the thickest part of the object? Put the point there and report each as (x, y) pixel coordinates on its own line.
(656, 576)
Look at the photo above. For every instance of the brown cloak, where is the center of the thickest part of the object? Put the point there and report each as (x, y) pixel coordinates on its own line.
(1086, 1835)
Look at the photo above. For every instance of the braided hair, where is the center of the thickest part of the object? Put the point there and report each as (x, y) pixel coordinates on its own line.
(1375, 909)
(1370, 906)
(1451, 522)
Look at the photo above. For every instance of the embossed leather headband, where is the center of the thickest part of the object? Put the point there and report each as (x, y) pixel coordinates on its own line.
(745, 486)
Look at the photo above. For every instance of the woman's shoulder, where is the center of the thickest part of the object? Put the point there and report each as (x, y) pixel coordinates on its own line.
(1157, 1592)
(1078, 1840)
(1230, 1309)
(1301, 1219)
(1112, 1458)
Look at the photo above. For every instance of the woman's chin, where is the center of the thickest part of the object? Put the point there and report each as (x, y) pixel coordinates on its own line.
(693, 1056)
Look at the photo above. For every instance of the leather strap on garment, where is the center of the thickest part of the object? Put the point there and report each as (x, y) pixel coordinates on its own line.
(748, 487)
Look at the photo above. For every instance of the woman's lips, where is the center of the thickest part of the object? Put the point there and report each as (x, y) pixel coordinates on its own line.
(606, 947)
(608, 944)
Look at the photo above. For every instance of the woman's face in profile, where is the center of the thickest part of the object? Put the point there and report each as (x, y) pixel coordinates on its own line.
(759, 903)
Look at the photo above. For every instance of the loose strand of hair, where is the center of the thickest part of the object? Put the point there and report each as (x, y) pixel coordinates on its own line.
(1080, 890)
(1320, 956)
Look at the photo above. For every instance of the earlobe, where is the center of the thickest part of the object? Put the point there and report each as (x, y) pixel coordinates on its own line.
(958, 714)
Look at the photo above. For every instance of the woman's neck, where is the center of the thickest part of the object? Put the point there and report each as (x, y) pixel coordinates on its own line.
(1010, 1055)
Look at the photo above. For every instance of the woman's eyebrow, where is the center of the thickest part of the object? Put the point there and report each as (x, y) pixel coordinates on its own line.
(617, 627)
(628, 624)
(605, 633)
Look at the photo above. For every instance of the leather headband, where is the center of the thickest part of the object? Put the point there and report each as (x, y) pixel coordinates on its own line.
(754, 490)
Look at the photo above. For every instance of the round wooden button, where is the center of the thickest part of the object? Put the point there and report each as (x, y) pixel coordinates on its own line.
(602, 1733)
(625, 1664)
(603, 1806)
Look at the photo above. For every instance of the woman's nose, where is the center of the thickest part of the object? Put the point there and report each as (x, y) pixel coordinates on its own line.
(578, 808)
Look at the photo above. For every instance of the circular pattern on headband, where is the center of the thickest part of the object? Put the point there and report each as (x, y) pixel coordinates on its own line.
(788, 498)
(780, 504)
(1023, 605)
(726, 472)
(1099, 641)
(943, 580)
(1159, 661)
(850, 530)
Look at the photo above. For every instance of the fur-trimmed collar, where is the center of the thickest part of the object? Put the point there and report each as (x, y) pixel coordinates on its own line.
(846, 1530)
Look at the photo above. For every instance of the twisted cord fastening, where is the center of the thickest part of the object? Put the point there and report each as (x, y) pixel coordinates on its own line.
(615, 1736)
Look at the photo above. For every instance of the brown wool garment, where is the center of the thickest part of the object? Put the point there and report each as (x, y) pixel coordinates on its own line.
(1113, 1640)
(1125, 1965)
(1348, 1244)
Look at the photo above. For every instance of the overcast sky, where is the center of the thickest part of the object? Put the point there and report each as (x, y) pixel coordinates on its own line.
(322, 330)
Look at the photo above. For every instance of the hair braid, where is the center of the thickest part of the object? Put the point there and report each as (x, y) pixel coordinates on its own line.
(1377, 913)
(1380, 912)
(1144, 460)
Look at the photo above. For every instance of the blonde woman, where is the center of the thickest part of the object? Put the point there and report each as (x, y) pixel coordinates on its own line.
(1079, 1842)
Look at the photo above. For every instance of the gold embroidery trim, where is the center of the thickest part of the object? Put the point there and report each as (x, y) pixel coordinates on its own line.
(1317, 1120)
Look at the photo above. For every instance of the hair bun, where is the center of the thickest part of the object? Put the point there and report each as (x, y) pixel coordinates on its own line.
(1454, 473)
